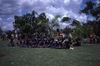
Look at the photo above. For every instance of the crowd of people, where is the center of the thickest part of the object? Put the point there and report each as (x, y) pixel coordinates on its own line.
(92, 39)
(43, 41)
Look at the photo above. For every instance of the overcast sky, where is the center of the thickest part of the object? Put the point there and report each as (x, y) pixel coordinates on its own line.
(10, 8)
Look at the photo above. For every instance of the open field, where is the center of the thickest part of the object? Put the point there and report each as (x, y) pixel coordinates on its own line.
(86, 55)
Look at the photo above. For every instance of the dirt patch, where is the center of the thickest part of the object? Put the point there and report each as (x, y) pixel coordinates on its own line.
(1, 55)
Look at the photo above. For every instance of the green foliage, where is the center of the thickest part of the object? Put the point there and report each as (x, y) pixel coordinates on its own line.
(54, 22)
(30, 23)
(77, 31)
(65, 19)
(92, 9)
(67, 30)
(89, 6)
(75, 23)
(96, 12)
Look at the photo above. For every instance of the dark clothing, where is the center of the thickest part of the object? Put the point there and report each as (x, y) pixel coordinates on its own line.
(67, 44)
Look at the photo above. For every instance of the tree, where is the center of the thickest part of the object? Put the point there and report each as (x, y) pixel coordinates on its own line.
(54, 24)
(76, 31)
(67, 30)
(43, 23)
(75, 23)
(93, 9)
(64, 19)
(78, 28)
(88, 8)
(31, 23)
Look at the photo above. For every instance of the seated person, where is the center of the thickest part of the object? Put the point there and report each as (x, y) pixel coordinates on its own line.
(66, 43)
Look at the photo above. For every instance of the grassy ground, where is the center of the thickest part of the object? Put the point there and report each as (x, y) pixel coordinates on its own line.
(86, 55)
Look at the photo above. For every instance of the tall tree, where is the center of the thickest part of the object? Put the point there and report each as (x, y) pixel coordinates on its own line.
(54, 24)
(88, 8)
(78, 28)
(93, 9)
(43, 23)
(31, 23)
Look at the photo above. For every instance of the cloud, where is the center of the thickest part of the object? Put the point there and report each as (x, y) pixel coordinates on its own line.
(82, 18)
(50, 16)
(10, 8)
(0, 19)
(7, 26)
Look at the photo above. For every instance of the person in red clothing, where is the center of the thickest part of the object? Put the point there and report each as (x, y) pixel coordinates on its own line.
(58, 32)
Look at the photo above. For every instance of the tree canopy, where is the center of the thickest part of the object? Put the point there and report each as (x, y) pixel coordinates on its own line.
(31, 23)
(93, 9)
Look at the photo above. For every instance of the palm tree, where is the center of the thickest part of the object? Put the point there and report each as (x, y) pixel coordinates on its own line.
(78, 28)
(54, 24)
(75, 23)
(65, 19)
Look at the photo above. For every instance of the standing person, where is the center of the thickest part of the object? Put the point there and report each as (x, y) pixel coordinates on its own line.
(58, 32)
(11, 40)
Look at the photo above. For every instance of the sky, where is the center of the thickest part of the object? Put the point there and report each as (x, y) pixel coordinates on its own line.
(10, 8)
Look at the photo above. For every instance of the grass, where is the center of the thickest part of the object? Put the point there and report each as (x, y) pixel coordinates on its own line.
(86, 55)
